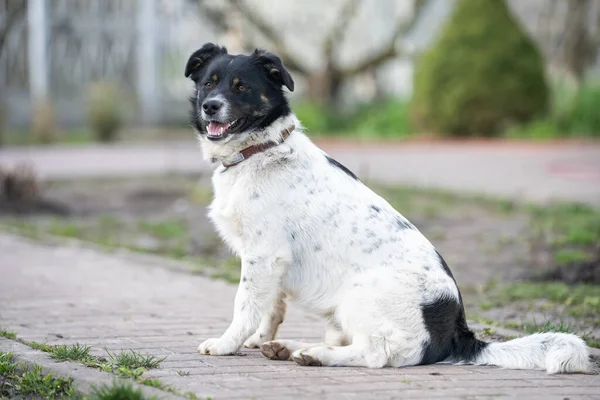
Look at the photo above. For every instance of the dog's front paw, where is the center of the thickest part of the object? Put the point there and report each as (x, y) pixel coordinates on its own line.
(217, 347)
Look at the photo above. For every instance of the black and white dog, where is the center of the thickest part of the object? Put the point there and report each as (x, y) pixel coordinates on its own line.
(307, 229)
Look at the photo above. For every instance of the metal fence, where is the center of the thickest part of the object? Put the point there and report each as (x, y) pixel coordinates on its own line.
(56, 48)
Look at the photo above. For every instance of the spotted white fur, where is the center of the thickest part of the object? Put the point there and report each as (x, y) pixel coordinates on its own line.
(307, 231)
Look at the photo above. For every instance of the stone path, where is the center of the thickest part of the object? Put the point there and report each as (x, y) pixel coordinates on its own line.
(567, 171)
(69, 294)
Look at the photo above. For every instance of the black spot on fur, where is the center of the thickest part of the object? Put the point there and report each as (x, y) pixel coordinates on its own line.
(254, 196)
(342, 168)
(293, 236)
(244, 279)
(446, 268)
(375, 208)
(318, 248)
(450, 337)
(402, 224)
(251, 262)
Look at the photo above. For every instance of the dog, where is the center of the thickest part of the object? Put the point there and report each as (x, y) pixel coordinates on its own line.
(306, 229)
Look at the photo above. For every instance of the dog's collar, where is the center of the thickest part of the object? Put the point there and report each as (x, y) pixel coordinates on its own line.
(257, 148)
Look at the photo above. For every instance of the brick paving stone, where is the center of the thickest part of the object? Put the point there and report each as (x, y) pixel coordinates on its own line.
(68, 295)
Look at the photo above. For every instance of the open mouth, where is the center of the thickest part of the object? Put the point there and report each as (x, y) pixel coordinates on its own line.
(219, 130)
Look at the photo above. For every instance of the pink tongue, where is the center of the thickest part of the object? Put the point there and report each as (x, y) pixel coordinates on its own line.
(216, 128)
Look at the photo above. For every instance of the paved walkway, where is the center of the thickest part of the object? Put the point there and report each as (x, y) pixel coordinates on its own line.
(67, 295)
(533, 172)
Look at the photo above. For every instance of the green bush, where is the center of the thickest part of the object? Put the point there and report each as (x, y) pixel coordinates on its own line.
(583, 116)
(389, 118)
(385, 118)
(316, 118)
(574, 113)
(541, 129)
(104, 111)
(482, 75)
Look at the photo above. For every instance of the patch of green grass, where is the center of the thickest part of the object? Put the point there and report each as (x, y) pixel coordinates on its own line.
(228, 270)
(118, 391)
(21, 137)
(167, 229)
(46, 348)
(579, 299)
(7, 366)
(66, 228)
(75, 352)
(570, 230)
(7, 334)
(548, 326)
(569, 256)
(153, 383)
(593, 343)
(132, 360)
(19, 381)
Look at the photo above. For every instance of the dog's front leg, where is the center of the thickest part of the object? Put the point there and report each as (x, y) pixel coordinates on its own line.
(257, 294)
(269, 325)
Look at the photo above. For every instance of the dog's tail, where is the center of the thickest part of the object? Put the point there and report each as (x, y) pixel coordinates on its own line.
(554, 352)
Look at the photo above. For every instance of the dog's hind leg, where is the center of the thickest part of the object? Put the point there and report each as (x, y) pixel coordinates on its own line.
(361, 353)
(268, 325)
(283, 349)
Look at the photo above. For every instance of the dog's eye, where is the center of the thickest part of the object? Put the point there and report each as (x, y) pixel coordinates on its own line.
(208, 85)
(242, 88)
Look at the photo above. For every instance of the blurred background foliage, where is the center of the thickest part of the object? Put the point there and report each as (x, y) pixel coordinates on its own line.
(520, 69)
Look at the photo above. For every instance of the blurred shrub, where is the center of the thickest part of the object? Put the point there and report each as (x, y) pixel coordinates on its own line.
(317, 118)
(537, 129)
(43, 123)
(582, 115)
(104, 111)
(574, 113)
(482, 74)
(389, 118)
(385, 118)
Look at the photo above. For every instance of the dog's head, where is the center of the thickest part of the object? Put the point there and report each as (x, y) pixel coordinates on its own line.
(236, 94)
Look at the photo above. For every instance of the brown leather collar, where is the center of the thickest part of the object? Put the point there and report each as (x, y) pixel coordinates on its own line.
(258, 148)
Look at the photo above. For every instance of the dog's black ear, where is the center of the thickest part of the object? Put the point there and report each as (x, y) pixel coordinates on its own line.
(202, 57)
(274, 67)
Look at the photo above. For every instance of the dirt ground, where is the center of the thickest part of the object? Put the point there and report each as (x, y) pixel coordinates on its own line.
(492, 247)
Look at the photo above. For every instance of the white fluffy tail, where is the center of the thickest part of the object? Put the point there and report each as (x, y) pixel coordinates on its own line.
(555, 352)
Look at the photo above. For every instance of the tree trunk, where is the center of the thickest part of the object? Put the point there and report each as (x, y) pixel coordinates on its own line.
(324, 87)
(577, 44)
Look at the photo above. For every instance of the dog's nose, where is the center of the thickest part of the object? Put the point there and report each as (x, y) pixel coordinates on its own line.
(211, 107)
